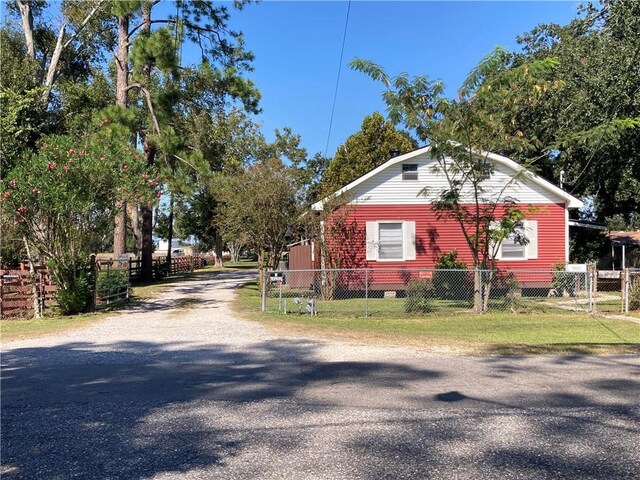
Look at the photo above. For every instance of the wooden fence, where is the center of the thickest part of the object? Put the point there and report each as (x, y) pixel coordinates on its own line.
(18, 288)
(160, 270)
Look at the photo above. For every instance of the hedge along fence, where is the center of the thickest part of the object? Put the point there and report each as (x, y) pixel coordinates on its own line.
(21, 293)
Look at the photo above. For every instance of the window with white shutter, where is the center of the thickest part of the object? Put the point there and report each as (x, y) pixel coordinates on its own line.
(391, 241)
(513, 248)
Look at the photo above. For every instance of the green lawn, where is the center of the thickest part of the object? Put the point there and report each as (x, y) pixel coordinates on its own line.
(551, 331)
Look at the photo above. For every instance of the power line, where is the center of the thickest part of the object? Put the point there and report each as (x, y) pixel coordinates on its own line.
(335, 93)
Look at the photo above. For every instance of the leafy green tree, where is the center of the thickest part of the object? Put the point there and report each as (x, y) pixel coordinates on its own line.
(54, 199)
(363, 151)
(228, 142)
(170, 98)
(590, 124)
(260, 205)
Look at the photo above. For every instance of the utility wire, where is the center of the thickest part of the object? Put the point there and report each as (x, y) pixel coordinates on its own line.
(335, 93)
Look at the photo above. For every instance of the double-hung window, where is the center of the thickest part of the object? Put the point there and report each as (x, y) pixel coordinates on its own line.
(390, 245)
(513, 247)
(522, 244)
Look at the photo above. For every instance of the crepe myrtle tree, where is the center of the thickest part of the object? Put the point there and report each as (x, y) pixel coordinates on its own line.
(55, 199)
(260, 205)
(460, 132)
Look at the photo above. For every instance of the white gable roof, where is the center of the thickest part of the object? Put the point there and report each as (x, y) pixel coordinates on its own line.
(505, 166)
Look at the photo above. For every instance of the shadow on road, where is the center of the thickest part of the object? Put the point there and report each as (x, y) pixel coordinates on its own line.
(75, 410)
(136, 410)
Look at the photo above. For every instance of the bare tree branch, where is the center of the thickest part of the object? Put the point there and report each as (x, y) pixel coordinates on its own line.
(147, 95)
(26, 14)
(60, 46)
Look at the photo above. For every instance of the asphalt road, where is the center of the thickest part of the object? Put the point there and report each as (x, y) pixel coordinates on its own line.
(163, 392)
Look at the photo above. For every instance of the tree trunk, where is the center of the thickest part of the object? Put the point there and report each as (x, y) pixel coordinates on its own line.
(486, 290)
(150, 151)
(122, 81)
(218, 249)
(477, 290)
(120, 230)
(134, 218)
(53, 67)
(26, 14)
(170, 232)
(35, 290)
(147, 244)
(234, 250)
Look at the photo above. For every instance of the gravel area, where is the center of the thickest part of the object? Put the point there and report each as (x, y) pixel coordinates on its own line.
(178, 387)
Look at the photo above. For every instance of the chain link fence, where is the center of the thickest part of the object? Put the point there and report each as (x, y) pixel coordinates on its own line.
(617, 291)
(407, 292)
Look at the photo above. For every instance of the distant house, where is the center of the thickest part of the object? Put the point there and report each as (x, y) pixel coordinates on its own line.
(392, 226)
(180, 247)
(625, 249)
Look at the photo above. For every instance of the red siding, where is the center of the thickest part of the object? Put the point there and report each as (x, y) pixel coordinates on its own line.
(434, 237)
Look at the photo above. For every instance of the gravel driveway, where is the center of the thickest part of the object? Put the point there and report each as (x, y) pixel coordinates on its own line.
(179, 388)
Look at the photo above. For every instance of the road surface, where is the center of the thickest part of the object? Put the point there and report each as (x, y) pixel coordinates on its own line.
(178, 387)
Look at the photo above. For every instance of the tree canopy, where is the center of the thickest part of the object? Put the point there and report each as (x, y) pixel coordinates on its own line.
(591, 122)
(363, 151)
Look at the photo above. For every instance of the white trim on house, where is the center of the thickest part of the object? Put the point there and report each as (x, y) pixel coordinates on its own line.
(570, 200)
(566, 235)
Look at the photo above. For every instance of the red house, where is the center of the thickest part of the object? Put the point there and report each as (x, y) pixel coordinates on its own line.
(393, 226)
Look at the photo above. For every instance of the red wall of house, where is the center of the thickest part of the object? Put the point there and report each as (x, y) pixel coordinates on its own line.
(435, 237)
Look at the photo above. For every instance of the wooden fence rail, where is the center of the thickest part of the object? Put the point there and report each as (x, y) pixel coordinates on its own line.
(18, 288)
(160, 270)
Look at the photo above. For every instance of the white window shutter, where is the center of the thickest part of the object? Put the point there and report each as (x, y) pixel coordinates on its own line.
(409, 240)
(372, 240)
(531, 231)
(492, 226)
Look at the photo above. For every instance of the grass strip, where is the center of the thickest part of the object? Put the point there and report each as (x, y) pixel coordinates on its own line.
(458, 330)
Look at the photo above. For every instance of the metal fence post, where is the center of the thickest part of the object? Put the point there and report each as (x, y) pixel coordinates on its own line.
(264, 290)
(592, 278)
(626, 290)
(366, 292)
(587, 286)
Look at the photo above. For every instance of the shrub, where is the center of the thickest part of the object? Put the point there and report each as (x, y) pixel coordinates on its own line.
(75, 282)
(513, 291)
(634, 295)
(562, 281)
(112, 282)
(160, 269)
(418, 297)
(451, 285)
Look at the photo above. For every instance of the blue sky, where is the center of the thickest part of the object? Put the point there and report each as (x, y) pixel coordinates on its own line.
(297, 48)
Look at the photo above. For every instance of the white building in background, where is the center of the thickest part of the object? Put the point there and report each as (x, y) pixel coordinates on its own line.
(178, 246)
